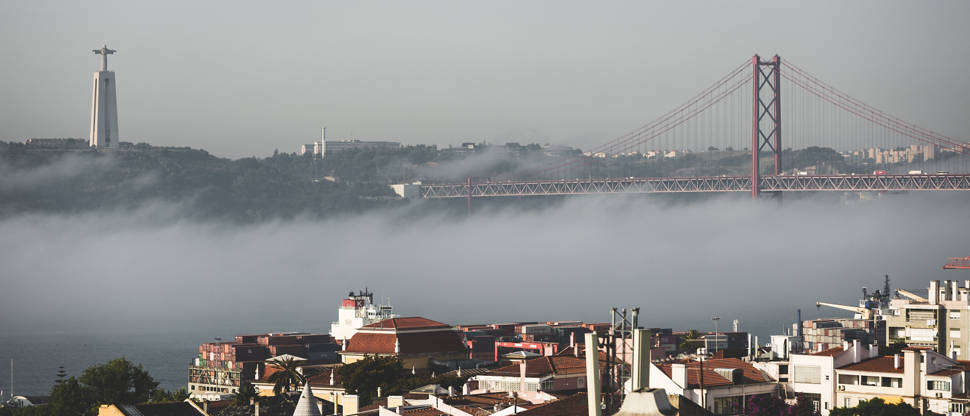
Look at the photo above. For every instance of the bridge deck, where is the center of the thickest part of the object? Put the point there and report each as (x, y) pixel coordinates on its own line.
(838, 183)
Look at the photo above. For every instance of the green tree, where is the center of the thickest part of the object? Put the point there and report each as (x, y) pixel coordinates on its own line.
(118, 381)
(61, 375)
(71, 398)
(690, 342)
(288, 378)
(246, 393)
(162, 395)
(876, 407)
(365, 376)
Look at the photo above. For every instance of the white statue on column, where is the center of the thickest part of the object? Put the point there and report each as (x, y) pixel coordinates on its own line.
(104, 105)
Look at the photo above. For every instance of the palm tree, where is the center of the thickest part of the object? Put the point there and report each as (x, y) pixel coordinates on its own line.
(288, 378)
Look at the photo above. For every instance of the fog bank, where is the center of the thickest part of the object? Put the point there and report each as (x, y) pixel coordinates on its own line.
(149, 269)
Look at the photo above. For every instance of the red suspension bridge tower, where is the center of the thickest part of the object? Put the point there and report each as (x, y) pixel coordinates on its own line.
(766, 116)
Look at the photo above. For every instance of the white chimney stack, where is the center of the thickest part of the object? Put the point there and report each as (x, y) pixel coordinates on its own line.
(641, 360)
(678, 373)
(592, 376)
(896, 361)
(856, 351)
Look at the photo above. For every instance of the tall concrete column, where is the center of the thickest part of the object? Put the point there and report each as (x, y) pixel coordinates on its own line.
(104, 106)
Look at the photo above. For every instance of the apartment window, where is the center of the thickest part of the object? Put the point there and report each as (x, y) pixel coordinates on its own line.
(955, 333)
(938, 385)
(808, 374)
(848, 379)
(955, 314)
(870, 380)
(892, 382)
(956, 408)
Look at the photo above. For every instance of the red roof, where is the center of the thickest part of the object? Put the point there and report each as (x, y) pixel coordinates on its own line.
(749, 374)
(882, 364)
(575, 405)
(413, 322)
(322, 379)
(539, 367)
(831, 352)
(410, 343)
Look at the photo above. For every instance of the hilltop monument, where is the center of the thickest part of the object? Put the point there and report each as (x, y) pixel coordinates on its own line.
(104, 105)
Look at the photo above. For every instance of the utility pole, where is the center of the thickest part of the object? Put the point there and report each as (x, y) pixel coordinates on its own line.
(715, 318)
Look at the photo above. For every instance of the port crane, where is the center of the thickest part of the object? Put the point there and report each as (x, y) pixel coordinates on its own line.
(871, 306)
(957, 263)
(911, 295)
(860, 312)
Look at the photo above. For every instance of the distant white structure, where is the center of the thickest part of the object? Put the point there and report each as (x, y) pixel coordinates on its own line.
(357, 310)
(104, 105)
(323, 147)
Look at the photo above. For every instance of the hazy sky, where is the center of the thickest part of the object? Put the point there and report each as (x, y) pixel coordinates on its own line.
(244, 78)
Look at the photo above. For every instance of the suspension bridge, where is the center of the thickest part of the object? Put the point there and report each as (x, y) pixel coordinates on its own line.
(728, 116)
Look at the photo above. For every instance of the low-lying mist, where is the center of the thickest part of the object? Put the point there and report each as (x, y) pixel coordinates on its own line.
(151, 269)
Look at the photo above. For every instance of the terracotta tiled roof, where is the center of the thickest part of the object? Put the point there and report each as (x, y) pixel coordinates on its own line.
(574, 405)
(582, 352)
(882, 364)
(322, 379)
(160, 409)
(413, 322)
(831, 352)
(543, 366)
(410, 343)
(749, 374)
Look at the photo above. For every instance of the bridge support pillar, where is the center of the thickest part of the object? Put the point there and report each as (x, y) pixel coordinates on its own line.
(765, 117)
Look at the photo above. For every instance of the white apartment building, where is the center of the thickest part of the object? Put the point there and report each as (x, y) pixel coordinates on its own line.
(845, 376)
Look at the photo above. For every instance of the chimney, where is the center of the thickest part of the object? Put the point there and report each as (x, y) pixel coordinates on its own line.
(351, 404)
(678, 373)
(592, 376)
(934, 295)
(378, 391)
(572, 340)
(397, 346)
(255, 407)
(464, 389)
(750, 354)
(641, 360)
(845, 344)
(451, 391)
(896, 361)
(819, 345)
(395, 401)
(522, 366)
(856, 351)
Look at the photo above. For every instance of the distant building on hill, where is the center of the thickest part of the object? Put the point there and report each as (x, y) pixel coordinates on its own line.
(56, 143)
(324, 147)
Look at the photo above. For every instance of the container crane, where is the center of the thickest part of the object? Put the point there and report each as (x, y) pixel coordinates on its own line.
(957, 263)
(861, 313)
(911, 295)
